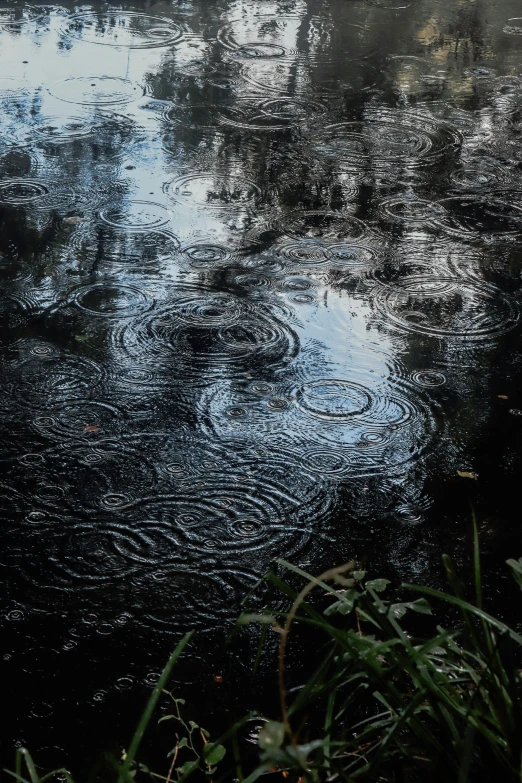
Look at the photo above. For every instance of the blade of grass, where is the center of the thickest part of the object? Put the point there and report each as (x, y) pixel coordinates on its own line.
(149, 709)
(16, 776)
(465, 606)
(29, 763)
(476, 564)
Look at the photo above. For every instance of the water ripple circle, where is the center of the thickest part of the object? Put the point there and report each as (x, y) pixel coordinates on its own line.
(261, 33)
(211, 310)
(460, 309)
(229, 337)
(335, 427)
(259, 336)
(255, 49)
(96, 90)
(270, 115)
(333, 399)
(64, 128)
(325, 225)
(387, 136)
(428, 378)
(325, 461)
(135, 215)
(411, 210)
(71, 417)
(109, 299)
(22, 191)
(469, 216)
(58, 378)
(129, 29)
(215, 192)
(95, 555)
(203, 254)
(304, 252)
(351, 255)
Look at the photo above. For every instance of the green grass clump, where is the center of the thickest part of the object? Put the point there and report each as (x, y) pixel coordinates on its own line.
(381, 705)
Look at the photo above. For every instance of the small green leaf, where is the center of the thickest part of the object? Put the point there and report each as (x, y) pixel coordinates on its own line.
(421, 605)
(167, 717)
(359, 575)
(379, 585)
(187, 767)
(182, 743)
(345, 604)
(398, 610)
(213, 754)
(271, 735)
(193, 725)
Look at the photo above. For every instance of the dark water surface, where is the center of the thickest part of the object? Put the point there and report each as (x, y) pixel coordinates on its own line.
(260, 296)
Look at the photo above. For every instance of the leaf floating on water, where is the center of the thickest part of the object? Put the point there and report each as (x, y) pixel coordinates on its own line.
(91, 428)
(467, 474)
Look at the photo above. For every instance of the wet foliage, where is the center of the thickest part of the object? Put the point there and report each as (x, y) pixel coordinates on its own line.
(383, 704)
(386, 704)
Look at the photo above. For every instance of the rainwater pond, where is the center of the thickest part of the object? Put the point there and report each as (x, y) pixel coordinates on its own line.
(260, 297)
